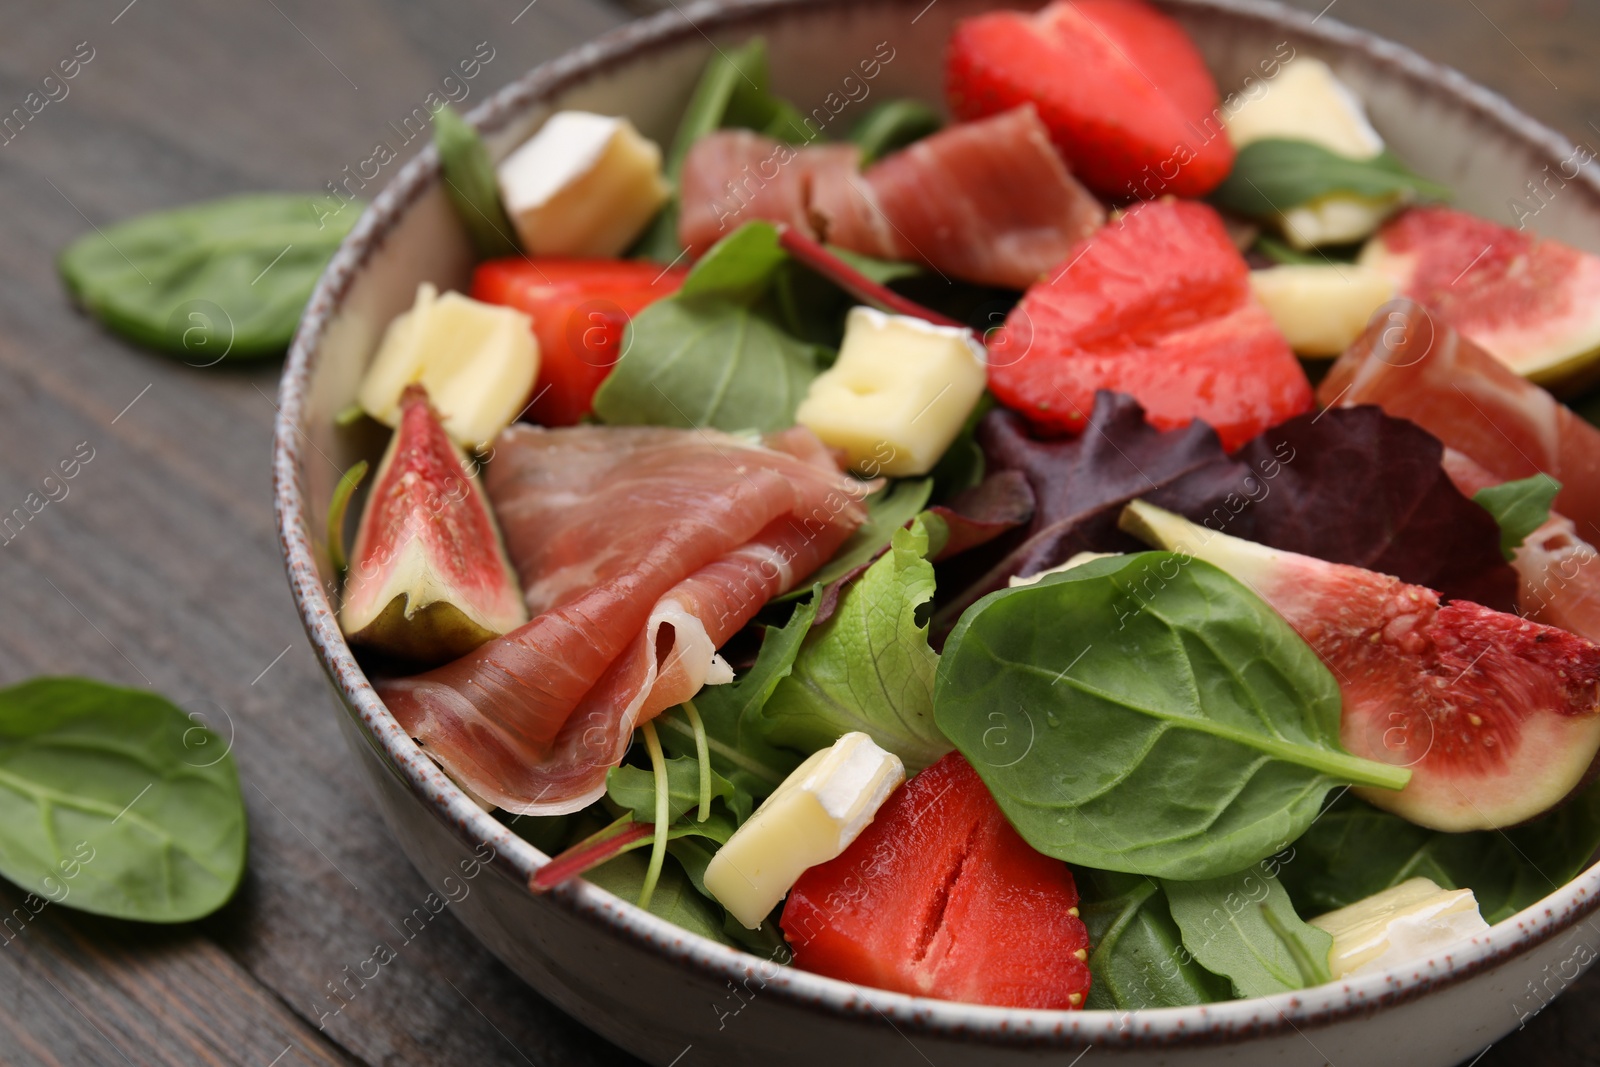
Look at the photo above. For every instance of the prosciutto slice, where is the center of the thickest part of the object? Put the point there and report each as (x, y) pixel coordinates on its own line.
(640, 551)
(988, 201)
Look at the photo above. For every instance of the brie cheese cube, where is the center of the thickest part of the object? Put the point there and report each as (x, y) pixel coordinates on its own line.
(898, 394)
(1306, 102)
(1411, 921)
(585, 185)
(810, 819)
(478, 362)
(1321, 308)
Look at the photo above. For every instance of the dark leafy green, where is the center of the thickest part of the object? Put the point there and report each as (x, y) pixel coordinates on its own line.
(1271, 176)
(1138, 959)
(634, 789)
(470, 183)
(226, 279)
(869, 668)
(888, 510)
(706, 357)
(882, 271)
(1354, 850)
(1520, 508)
(766, 940)
(1146, 713)
(892, 125)
(1243, 926)
(114, 801)
(675, 898)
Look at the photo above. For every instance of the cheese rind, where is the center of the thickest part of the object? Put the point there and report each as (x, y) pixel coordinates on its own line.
(1321, 309)
(811, 818)
(585, 185)
(1408, 922)
(898, 394)
(478, 362)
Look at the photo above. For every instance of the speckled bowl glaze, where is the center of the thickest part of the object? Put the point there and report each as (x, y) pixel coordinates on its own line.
(673, 997)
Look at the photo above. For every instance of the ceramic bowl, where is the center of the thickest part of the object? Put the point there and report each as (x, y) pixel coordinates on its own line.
(660, 992)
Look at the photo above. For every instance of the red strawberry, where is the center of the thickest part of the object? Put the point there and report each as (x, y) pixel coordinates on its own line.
(1126, 96)
(939, 897)
(1156, 305)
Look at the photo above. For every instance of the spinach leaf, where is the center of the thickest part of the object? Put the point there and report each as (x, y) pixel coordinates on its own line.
(1138, 958)
(704, 357)
(732, 714)
(469, 181)
(1520, 508)
(892, 125)
(882, 271)
(1355, 850)
(634, 789)
(113, 801)
(869, 667)
(1146, 713)
(675, 898)
(1271, 176)
(226, 279)
(1242, 926)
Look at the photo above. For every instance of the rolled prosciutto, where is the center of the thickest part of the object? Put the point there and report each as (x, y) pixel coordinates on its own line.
(640, 551)
(988, 201)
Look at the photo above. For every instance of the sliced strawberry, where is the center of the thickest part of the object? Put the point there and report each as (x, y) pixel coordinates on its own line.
(580, 309)
(1156, 305)
(1127, 98)
(939, 897)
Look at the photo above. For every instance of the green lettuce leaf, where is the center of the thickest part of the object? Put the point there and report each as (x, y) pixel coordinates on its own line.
(869, 667)
(1271, 176)
(1520, 508)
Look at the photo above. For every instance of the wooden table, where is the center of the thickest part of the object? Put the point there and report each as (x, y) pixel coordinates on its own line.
(161, 567)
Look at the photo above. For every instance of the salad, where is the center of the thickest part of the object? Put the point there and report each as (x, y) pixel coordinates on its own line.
(1107, 544)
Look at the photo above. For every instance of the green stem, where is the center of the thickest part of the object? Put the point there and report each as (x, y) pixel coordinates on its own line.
(658, 850)
(702, 753)
(336, 511)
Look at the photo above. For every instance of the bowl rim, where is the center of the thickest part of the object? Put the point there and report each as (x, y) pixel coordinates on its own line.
(1155, 1027)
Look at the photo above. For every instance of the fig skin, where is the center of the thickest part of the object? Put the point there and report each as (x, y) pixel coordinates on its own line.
(429, 580)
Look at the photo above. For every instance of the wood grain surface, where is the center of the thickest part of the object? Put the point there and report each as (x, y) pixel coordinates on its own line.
(161, 567)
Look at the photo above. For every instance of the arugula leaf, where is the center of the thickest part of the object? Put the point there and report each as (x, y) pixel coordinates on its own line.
(892, 125)
(1243, 926)
(1146, 713)
(469, 181)
(114, 801)
(732, 91)
(704, 357)
(882, 271)
(732, 714)
(675, 898)
(634, 789)
(869, 668)
(765, 940)
(1138, 958)
(1520, 508)
(1273, 175)
(1355, 850)
(221, 279)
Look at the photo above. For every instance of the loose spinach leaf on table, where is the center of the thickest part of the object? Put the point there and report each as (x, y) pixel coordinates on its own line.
(469, 181)
(226, 279)
(114, 801)
(869, 667)
(1138, 959)
(1355, 850)
(1243, 926)
(1148, 714)
(706, 357)
(1271, 176)
(893, 125)
(1520, 508)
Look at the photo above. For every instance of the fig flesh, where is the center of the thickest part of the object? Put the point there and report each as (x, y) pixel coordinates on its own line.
(429, 579)
(1497, 717)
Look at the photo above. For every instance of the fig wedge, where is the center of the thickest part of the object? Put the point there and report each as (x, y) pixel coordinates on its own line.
(1497, 717)
(429, 579)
